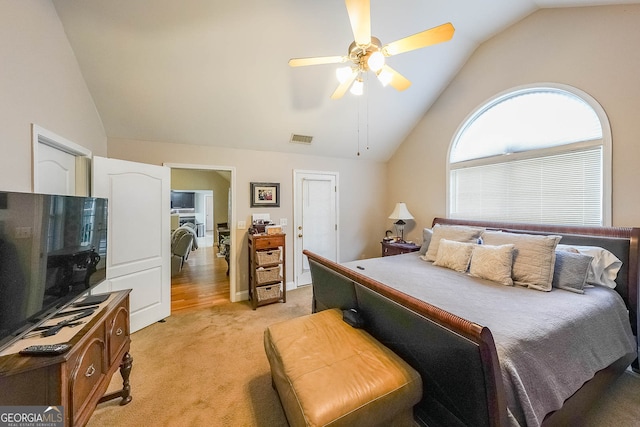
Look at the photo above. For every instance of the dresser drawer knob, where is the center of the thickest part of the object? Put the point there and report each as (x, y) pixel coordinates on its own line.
(90, 371)
(119, 331)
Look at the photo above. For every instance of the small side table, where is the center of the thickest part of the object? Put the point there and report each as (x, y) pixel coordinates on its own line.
(394, 248)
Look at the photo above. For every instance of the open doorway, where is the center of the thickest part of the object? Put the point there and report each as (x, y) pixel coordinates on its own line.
(202, 210)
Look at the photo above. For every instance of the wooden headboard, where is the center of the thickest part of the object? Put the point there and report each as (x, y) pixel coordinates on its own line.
(623, 242)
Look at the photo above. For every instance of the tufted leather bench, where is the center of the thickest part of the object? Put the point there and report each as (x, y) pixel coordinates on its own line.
(329, 373)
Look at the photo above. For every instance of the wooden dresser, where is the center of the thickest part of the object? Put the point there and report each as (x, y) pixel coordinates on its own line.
(79, 378)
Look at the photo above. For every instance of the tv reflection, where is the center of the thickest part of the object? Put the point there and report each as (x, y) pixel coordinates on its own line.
(72, 241)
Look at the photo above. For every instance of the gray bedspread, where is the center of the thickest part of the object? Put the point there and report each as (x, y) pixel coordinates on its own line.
(549, 343)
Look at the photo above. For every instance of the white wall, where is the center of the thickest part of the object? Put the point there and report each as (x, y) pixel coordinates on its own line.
(41, 83)
(363, 204)
(594, 49)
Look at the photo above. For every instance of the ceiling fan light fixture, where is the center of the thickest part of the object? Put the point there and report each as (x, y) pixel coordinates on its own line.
(367, 53)
(358, 87)
(375, 62)
(384, 77)
(343, 73)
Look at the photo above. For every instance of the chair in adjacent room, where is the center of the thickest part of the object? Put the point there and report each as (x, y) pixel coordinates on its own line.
(181, 244)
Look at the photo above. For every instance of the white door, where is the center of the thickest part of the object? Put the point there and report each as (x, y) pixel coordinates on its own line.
(56, 171)
(316, 219)
(208, 212)
(138, 235)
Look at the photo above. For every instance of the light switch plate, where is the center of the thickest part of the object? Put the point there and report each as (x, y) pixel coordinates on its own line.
(283, 221)
(242, 225)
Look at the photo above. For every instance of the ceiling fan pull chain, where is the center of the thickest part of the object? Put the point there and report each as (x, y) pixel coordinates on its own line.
(359, 126)
(367, 95)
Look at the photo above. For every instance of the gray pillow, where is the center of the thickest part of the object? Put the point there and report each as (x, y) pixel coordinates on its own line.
(426, 239)
(570, 271)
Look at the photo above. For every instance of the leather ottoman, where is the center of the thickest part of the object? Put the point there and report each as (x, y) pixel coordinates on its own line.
(328, 373)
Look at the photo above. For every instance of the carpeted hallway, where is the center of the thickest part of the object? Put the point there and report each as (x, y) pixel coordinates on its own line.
(208, 368)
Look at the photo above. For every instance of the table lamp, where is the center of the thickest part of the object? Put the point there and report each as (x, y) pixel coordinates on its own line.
(400, 213)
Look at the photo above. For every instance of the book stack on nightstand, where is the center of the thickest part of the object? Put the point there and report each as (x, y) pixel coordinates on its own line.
(396, 248)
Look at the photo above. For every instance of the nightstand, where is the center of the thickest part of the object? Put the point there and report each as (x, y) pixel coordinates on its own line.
(394, 248)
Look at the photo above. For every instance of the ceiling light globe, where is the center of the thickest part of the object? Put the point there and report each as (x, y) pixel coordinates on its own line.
(375, 61)
(385, 77)
(357, 88)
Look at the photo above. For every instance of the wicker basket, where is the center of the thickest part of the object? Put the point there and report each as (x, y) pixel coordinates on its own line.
(264, 275)
(268, 292)
(271, 256)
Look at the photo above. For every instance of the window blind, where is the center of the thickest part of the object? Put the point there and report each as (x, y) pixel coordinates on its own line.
(561, 188)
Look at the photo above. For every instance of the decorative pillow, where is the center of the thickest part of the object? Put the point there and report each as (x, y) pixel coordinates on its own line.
(454, 255)
(604, 268)
(426, 239)
(458, 233)
(571, 270)
(533, 257)
(492, 263)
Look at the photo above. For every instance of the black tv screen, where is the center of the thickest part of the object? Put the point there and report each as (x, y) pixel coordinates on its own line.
(53, 249)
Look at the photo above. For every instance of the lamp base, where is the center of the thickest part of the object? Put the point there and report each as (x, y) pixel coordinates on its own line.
(400, 230)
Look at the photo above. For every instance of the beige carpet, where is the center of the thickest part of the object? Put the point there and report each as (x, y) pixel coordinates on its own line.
(208, 368)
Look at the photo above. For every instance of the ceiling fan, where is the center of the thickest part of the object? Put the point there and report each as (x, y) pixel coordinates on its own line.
(368, 54)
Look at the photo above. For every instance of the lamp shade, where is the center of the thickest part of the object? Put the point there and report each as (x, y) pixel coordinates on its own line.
(400, 212)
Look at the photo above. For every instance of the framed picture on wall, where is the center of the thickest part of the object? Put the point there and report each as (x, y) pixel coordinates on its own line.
(265, 194)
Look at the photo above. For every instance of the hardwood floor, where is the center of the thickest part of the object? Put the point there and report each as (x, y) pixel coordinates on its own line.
(202, 283)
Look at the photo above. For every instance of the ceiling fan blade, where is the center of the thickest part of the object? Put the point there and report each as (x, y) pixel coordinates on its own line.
(435, 35)
(398, 81)
(301, 62)
(360, 17)
(344, 86)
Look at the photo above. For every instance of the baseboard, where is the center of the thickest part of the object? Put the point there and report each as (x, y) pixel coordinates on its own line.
(242, 296)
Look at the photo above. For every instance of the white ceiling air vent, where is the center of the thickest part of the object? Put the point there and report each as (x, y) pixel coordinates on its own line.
(300, 139)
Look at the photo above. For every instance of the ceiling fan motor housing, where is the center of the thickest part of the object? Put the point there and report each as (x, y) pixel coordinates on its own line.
(360, 54)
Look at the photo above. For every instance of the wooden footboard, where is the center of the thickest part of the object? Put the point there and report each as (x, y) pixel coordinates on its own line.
(457, 359)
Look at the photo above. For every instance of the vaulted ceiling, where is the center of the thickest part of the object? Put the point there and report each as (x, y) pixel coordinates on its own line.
(214, 72)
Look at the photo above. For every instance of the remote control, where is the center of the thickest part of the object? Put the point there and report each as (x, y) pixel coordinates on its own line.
(45, 349)
(56, 328)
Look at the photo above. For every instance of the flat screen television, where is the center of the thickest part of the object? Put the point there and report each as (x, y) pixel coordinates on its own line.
(53, 249)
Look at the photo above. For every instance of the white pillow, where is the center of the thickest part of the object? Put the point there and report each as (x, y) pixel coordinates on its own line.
(454, 255)
(458, 233)
(533, 257)
(603, 269)
(492, 263)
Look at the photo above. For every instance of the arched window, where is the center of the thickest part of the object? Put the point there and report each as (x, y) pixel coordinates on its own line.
(537, 154)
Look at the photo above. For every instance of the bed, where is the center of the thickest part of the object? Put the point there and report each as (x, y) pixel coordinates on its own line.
(482, 352)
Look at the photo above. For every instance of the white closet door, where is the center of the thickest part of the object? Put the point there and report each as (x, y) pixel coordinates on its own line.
(316, 220)
(56, 171)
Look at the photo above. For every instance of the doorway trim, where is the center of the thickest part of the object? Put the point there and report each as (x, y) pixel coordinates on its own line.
(40, 135)
(233, 258)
